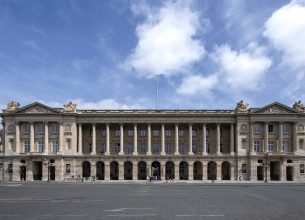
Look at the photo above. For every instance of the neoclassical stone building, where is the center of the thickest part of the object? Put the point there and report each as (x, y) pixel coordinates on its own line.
(67, 143)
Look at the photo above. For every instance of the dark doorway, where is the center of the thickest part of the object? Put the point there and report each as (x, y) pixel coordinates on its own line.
(86, 169)
(114, 170)
(156, 170)
(183, 171)
(275, 170)
(23, 173)
(142, 170)
(260, 173)
(289, 173)
(127, 170)
(100, 170)
(52, 172)
(169, 170)
(212, 170)
(37, 170)
(225, 171)
(197, 170)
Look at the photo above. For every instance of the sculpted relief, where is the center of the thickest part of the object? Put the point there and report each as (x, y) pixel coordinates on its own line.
(12, 106)
(299, 106)
(70, 107)
(242, 107)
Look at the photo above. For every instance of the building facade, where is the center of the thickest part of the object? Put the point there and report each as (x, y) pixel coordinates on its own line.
(257, 144)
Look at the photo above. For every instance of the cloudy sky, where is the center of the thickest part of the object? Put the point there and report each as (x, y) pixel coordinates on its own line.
(106, 54)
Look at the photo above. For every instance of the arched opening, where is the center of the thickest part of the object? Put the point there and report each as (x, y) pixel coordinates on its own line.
(86, 169)
(23, 173)
(275, 170)
(212, 170)
(142, 170)
(183, 170)
(52, 172)
(114, 170)
(289, 173)
(127, 170)
(169, 170)
(100, 170)
(156, 170)
(225, 171)
(197, 170)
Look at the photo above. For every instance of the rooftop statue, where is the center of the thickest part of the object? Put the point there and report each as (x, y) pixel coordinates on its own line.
(12, 106)
(70, 107)
(242, 106)
(298, 106)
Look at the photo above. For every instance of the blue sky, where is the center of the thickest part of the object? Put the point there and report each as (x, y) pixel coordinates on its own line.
(106, 54)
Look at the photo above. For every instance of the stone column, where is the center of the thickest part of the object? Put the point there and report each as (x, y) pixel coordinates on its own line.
(107, 145)
(135, 140)
(218, 138)
(107, 170)
(93, 168)
(280, 144)
(177, 177)
(266, 137)
(121, 171)
(121, 140)
(218, 167)
(294, 136)
(80, 139)
(162, 171)
(204, 171)
(17, 141)
(251, 143)
(204, 139)
(134, 170)
(232, 174)
(232, 139)
(176, 140)
(191, 170)
(32, 136)
(162, 140)
(93, 139)
(190, 139)
(61, 145)
(46, 138)
(148, 139)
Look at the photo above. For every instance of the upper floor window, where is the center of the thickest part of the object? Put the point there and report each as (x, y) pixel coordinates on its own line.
(129, 148)
(40, 128)
(168, 132)
(41, 146)
(26, 145)
(221, 132)
(194, 148)
(116, 148)
(117, 132)
(285, 146)
(155, 148)
(27, 128)
(103, 148)
(257, 128)
(181, 148)
(285, 128)
(155, 132)
(208, 148)
(221, 147)
(168, 148)
(270, 146)
(194, 132)
(55, 128)
(142, 132)
(142, 148)
(270, 128)
(103, 132)
(55, 146)
(207, 132)
(256, 146)
(181, 132)
(302, 168)
(130, 132)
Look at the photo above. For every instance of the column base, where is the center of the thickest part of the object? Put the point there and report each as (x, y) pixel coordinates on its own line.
(107, 153)
(177, 153)
(204, 154)
(148, 153)
(135, 154)
(93, 153)
(163, 153)
(232, 153)
(190, 153)
(121, 153)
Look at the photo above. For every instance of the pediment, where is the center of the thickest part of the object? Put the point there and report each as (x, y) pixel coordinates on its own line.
(276, 108)
(36, 108)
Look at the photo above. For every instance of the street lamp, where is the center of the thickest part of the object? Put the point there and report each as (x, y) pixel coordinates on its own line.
(266, 165)
(48, 165)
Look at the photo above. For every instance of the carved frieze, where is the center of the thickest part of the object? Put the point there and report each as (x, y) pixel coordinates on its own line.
(37, 109)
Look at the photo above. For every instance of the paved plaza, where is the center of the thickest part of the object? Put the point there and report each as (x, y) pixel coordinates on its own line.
(42, 200)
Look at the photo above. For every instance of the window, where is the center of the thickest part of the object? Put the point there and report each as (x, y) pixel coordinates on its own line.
(117, 132)
(155, 148)
(10, 168)
(207, 132)
(41, 146)
(302, 168)
(55, 128)
(142, 132)
(143, 148)
(181, 132)
(270, 128)
(244, 168)
(155, 132)
(270, 146)
(257, 128)
(68, 168)
(285, 146)
(116, 148)
(103, 148)
(167, 132)
(27, 128)
(194, 148)
(68, 144)
(194, 132)
(130, 132)
(221, 148)
(256, 146)
(55, 146)
(40, 128)
(285, 128)
(221, 132)
(129, 148)
(103, 132)
(26, 145)
(301, 144)
(168, 148)
(208, 148)
(181, 148)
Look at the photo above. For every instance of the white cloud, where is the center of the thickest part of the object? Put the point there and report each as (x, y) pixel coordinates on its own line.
(242, 70)
(197, 84)
(286, 31)
(166, 41)
(104, 104)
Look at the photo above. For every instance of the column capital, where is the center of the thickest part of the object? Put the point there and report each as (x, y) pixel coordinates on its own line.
(17, 122)
(93, 124)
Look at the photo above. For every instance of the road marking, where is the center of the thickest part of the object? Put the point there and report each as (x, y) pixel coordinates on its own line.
(200, 215)
(11, 185)
(62, 215)
(134, 215)
(123, 209)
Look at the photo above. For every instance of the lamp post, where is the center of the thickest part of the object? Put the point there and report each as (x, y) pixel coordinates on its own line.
(48, 165)
(266, 165)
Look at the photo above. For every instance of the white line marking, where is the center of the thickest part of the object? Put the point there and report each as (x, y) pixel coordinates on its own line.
(123, 209)
(200, 215)
(135, 215)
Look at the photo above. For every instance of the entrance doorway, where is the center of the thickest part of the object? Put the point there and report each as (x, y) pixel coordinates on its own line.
(127, 170)
(225, 170)
(37, 170)
(52, 172)
(114, 170)
(260, 173)
(156, 170)
(100, 170)
(197, 170)
(142, 170)
(212, 171)
(169, 170)
(86, 169)
(275, 170)
(289, 173)
(23, 173)
(183, 171)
